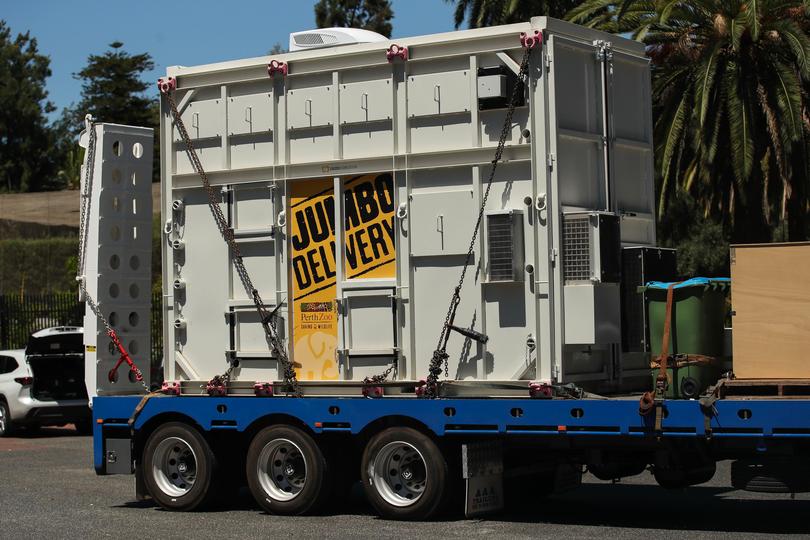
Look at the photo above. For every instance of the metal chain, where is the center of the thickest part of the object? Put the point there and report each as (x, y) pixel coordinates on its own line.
(267, 319)
(84, 218)
(440, 355)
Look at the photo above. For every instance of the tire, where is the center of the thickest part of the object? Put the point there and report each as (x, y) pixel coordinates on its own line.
(7, 428)
(179, 467)
(405, 475)
(774, 476)
(286, 471)
(683, 478)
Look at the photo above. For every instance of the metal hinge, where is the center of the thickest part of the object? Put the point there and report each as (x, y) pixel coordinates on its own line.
(550, 159)
(549, 60)
(552, 255)
(604, 50)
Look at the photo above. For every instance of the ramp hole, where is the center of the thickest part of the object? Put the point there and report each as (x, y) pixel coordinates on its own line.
(115, 262)
(744, 414)
(116, 148)
(334, 409)
(576, 412)
(222, 408)
(449, 411)
(137, 150)
(133, 319)
(516, 412)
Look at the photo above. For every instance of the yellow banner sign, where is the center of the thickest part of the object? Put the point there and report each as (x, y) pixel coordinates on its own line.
(368, 202)
(369, 253)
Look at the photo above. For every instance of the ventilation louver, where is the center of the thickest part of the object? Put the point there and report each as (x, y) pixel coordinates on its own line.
(505, 246)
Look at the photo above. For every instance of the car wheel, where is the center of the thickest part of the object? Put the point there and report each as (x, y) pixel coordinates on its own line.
(6, 427)
(179, 467)
(405, 475)
(286, 471)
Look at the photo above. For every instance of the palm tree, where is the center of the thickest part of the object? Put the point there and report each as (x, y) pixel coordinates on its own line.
(732, 128)
(481, 13)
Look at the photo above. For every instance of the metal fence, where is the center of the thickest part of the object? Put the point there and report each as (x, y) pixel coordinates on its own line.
(22, 315)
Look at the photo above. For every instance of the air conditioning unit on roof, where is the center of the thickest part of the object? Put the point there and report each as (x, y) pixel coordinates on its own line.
(332, 37)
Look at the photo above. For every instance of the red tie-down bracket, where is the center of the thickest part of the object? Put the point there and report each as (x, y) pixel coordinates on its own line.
(277, 66)
(170, 388)
(263, 389)
(167, 85)
(530, 40)
(397, 51)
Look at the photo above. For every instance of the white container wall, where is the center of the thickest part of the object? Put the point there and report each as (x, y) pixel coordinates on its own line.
(353, 184)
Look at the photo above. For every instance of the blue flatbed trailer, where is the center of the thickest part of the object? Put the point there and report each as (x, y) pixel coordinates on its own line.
(532, 431)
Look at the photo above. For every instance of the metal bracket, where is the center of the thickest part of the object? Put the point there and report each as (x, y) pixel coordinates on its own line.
(169, 84)
(509, 62)
(277, 66)
(530, 40)
(397, 51)
(604, 50)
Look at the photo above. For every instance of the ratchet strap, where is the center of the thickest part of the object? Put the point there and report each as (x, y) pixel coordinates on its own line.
(655, 400)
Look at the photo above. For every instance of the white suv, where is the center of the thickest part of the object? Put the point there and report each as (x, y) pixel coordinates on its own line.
(43, 385)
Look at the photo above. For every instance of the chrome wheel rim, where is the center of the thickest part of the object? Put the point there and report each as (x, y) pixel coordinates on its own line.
(174, 466)
(2, 419)
(282, 469)
(399, 473)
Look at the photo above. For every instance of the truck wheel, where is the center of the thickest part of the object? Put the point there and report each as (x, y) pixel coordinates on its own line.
(404, 474)
(178, 467)
(286, 471)
(6, 427)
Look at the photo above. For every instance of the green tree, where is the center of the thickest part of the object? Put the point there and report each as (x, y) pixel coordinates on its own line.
(481, 13)
(730, 81)
(113, 90)
(374, 15)
(25, 162)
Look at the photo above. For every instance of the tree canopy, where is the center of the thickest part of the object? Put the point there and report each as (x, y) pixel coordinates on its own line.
(113, 90)
(25, 140)
(374, 15)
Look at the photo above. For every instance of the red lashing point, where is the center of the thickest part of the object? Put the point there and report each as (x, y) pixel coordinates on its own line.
(531, 39)
(263, 389)
(171, 388)
(396, 51)
(277, 66)
(169, 84)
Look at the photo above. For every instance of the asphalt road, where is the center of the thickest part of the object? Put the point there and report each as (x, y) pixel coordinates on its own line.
(48, 489)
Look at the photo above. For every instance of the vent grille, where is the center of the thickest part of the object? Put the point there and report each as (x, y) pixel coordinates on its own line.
(314, 38)
(505, 246)
(501, 247)
(577, 248)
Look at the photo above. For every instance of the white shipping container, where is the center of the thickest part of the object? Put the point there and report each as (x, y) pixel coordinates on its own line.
(352, 182)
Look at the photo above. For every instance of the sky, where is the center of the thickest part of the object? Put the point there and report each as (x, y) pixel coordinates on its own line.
(179, 32)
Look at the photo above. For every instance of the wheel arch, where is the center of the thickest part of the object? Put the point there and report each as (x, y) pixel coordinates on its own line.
(395, 420)
(155, 422)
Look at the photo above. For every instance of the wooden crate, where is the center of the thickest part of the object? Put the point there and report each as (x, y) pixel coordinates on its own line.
(770, 295)
(785, 388)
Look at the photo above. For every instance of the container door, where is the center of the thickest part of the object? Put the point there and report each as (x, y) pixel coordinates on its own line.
(368, 286)
(313, 272)
(577, 119)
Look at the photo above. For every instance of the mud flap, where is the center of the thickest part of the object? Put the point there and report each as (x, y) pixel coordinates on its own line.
(482, 469)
